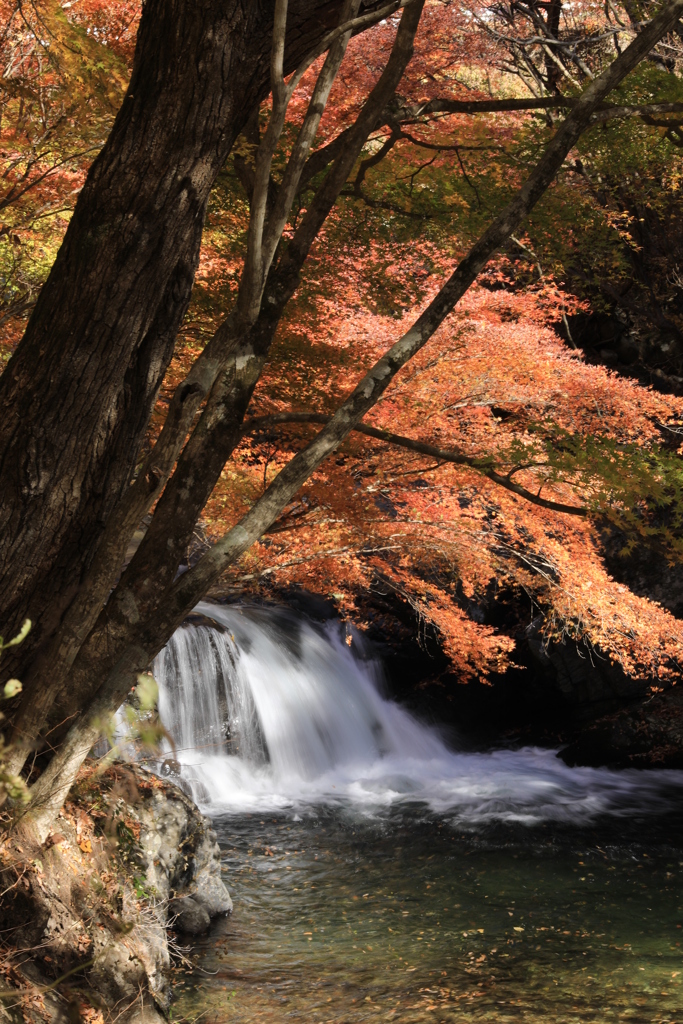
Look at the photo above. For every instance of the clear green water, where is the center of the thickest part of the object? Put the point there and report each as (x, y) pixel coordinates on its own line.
(410, 920)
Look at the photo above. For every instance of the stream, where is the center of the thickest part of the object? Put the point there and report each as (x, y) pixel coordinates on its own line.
(379, 874)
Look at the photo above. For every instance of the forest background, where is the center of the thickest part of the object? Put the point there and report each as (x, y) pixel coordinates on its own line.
(502, 466)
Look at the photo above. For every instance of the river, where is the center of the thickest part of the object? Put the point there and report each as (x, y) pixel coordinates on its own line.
(379, 874)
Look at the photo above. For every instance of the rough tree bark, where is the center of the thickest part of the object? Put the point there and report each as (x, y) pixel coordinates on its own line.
(77, 394)
(147, 635)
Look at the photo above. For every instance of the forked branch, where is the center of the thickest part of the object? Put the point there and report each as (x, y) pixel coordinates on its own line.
(265, 230)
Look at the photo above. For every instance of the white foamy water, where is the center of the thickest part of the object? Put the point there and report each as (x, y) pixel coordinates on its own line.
(272, 713)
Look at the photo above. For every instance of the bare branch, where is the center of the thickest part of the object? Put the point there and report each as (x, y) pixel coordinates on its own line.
(352, 26)
(316, 556)
(302, 147)
(646, 110)
(277, 62)
(603, 111)
(321, 158)
(265, 230)
(252, 277)
(373, 160)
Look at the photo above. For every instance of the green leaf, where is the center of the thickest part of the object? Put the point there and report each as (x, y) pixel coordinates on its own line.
(147, 692)
(12, 688)
(21, 635)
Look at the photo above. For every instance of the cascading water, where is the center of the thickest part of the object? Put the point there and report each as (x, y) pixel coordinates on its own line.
(267, 712)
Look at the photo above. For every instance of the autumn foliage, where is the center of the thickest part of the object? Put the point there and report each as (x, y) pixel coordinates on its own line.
(499, 385)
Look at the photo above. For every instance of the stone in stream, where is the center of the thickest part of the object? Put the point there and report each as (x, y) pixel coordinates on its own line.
(188, 916)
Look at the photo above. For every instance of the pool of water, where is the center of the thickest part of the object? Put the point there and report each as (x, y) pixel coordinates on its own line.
(340, 918)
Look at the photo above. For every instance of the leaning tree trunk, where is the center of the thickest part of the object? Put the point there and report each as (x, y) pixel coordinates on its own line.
(154, 565)
(77, 395)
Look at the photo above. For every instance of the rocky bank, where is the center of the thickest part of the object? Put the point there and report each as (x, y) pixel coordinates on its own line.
(93, 920)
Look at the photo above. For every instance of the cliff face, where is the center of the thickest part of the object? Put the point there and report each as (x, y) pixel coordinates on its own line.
(130, 858)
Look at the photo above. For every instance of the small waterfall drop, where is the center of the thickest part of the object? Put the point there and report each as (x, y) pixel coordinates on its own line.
(271, 712)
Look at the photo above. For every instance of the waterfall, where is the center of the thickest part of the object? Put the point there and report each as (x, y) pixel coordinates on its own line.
(267, 711)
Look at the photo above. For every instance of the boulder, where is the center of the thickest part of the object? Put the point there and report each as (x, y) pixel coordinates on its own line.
(100, 902)
(188, 916)
(647, 734)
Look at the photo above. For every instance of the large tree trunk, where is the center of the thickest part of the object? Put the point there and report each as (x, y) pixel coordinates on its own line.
(234, 358)
(77, 394)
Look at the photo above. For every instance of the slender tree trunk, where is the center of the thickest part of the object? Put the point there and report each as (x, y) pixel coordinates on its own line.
(76, 397)
(148, 636)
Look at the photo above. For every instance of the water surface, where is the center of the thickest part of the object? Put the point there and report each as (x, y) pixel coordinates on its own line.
(413, 920)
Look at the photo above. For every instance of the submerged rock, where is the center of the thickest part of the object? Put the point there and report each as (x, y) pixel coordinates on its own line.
(189, 916)
(142, 1013)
